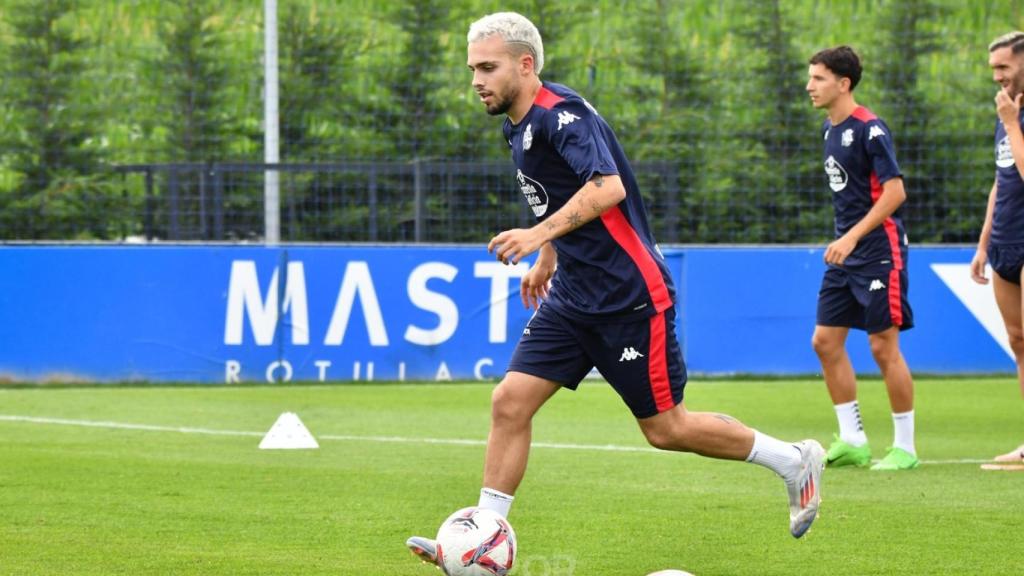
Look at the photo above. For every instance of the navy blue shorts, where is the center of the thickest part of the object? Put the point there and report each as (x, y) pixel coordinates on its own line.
(1007, 261)
(641, 360)
(873, 303)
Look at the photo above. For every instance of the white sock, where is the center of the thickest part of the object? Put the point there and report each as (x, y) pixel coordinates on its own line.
(780, 457)
(492, 499)
(851, 429)
(903, 423)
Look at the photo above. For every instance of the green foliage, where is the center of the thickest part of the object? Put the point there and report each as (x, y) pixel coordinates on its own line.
(49, 138)
(195, 78)
(707, 95)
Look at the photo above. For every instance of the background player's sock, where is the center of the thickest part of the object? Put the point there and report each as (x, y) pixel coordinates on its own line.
(495, 500)
(851, 429)
(903, 424)
(780, 457)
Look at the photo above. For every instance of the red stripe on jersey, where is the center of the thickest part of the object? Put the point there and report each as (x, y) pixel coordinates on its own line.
(888, 224)
(626, 237)
(657, 366)
(863, 114)
(547, 99)
(895, 299)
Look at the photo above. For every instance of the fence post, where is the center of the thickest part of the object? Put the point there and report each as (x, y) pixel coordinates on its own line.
(204, 173)
(372, 201)
(150, 205)
(174, 230)
(218, 203)
(417, 183)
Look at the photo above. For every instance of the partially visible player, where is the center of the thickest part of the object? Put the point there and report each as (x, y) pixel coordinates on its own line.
(1002, 236)
(865, 284)
(611, 302)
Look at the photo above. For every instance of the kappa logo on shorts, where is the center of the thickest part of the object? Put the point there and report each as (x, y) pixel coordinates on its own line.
(876, 285)
(630, 353)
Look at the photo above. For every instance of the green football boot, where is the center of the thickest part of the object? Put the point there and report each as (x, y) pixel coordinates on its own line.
(897, 459)
(844, 454)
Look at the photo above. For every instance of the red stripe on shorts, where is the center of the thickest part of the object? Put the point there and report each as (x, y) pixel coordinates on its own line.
(895, 298)
(657, 365)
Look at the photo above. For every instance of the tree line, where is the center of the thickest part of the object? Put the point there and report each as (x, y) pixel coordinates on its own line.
(707, 93)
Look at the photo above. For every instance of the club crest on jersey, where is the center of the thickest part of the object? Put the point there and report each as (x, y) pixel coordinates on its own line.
(837, 176)
(528, 137)
(1004, 156)
(534, 192)
(847, 137)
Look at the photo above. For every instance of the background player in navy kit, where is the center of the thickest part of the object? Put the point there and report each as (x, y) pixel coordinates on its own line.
(1002, 236)
(865, 285)
(611, 302)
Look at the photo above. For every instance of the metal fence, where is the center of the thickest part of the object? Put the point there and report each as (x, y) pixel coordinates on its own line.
(142, 119)
(421, 201)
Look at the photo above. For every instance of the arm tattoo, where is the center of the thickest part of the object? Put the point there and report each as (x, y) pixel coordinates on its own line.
(575, 220)
(598, 180)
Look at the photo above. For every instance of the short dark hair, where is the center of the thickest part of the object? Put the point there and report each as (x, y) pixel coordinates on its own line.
(842, 61)
(1015, 40)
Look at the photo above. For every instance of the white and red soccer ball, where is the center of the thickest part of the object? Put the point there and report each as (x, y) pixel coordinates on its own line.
(476, 542)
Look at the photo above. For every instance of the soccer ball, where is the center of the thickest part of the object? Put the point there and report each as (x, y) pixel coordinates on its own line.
(476, 542)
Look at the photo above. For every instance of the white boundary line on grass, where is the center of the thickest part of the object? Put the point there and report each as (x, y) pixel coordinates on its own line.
(353, 438)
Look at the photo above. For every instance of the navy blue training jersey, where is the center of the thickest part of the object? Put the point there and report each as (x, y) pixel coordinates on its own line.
(859, 158)
(1008, 215)
(610, 266)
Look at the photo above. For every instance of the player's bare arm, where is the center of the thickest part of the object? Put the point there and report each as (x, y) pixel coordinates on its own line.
(893, 195)
(981, 254)
(599, 194)
(1008, 108)
(533, 288)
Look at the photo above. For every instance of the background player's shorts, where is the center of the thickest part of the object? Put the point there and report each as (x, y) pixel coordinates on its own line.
(870, 302)
(641, 360)
(1007, 261)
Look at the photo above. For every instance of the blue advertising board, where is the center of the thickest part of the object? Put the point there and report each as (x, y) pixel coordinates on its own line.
(385, 313)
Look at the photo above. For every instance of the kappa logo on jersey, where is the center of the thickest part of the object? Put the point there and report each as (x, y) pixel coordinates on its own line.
(534, 192)
(1004, 155)
(847, 137)
(528, 137)
(565, 118)
(629, 353)
(837, 176)
(875, 131)
(876, 285)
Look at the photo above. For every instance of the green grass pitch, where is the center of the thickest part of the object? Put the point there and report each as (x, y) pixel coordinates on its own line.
(135, 480)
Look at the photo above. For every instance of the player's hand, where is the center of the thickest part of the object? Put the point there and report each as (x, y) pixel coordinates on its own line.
(511, 246)
(837, 251)
(534, 287)
(1008, 108)
(978, 267)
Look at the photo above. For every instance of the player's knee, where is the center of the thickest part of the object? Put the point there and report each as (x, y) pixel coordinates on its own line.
(505, 408)
(824, 346)
(668, 432)
(1016, 337)
(883, 350)
(659, 438)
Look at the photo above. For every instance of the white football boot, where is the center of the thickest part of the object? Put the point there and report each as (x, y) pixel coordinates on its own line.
(805, 489)
(423, 548)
